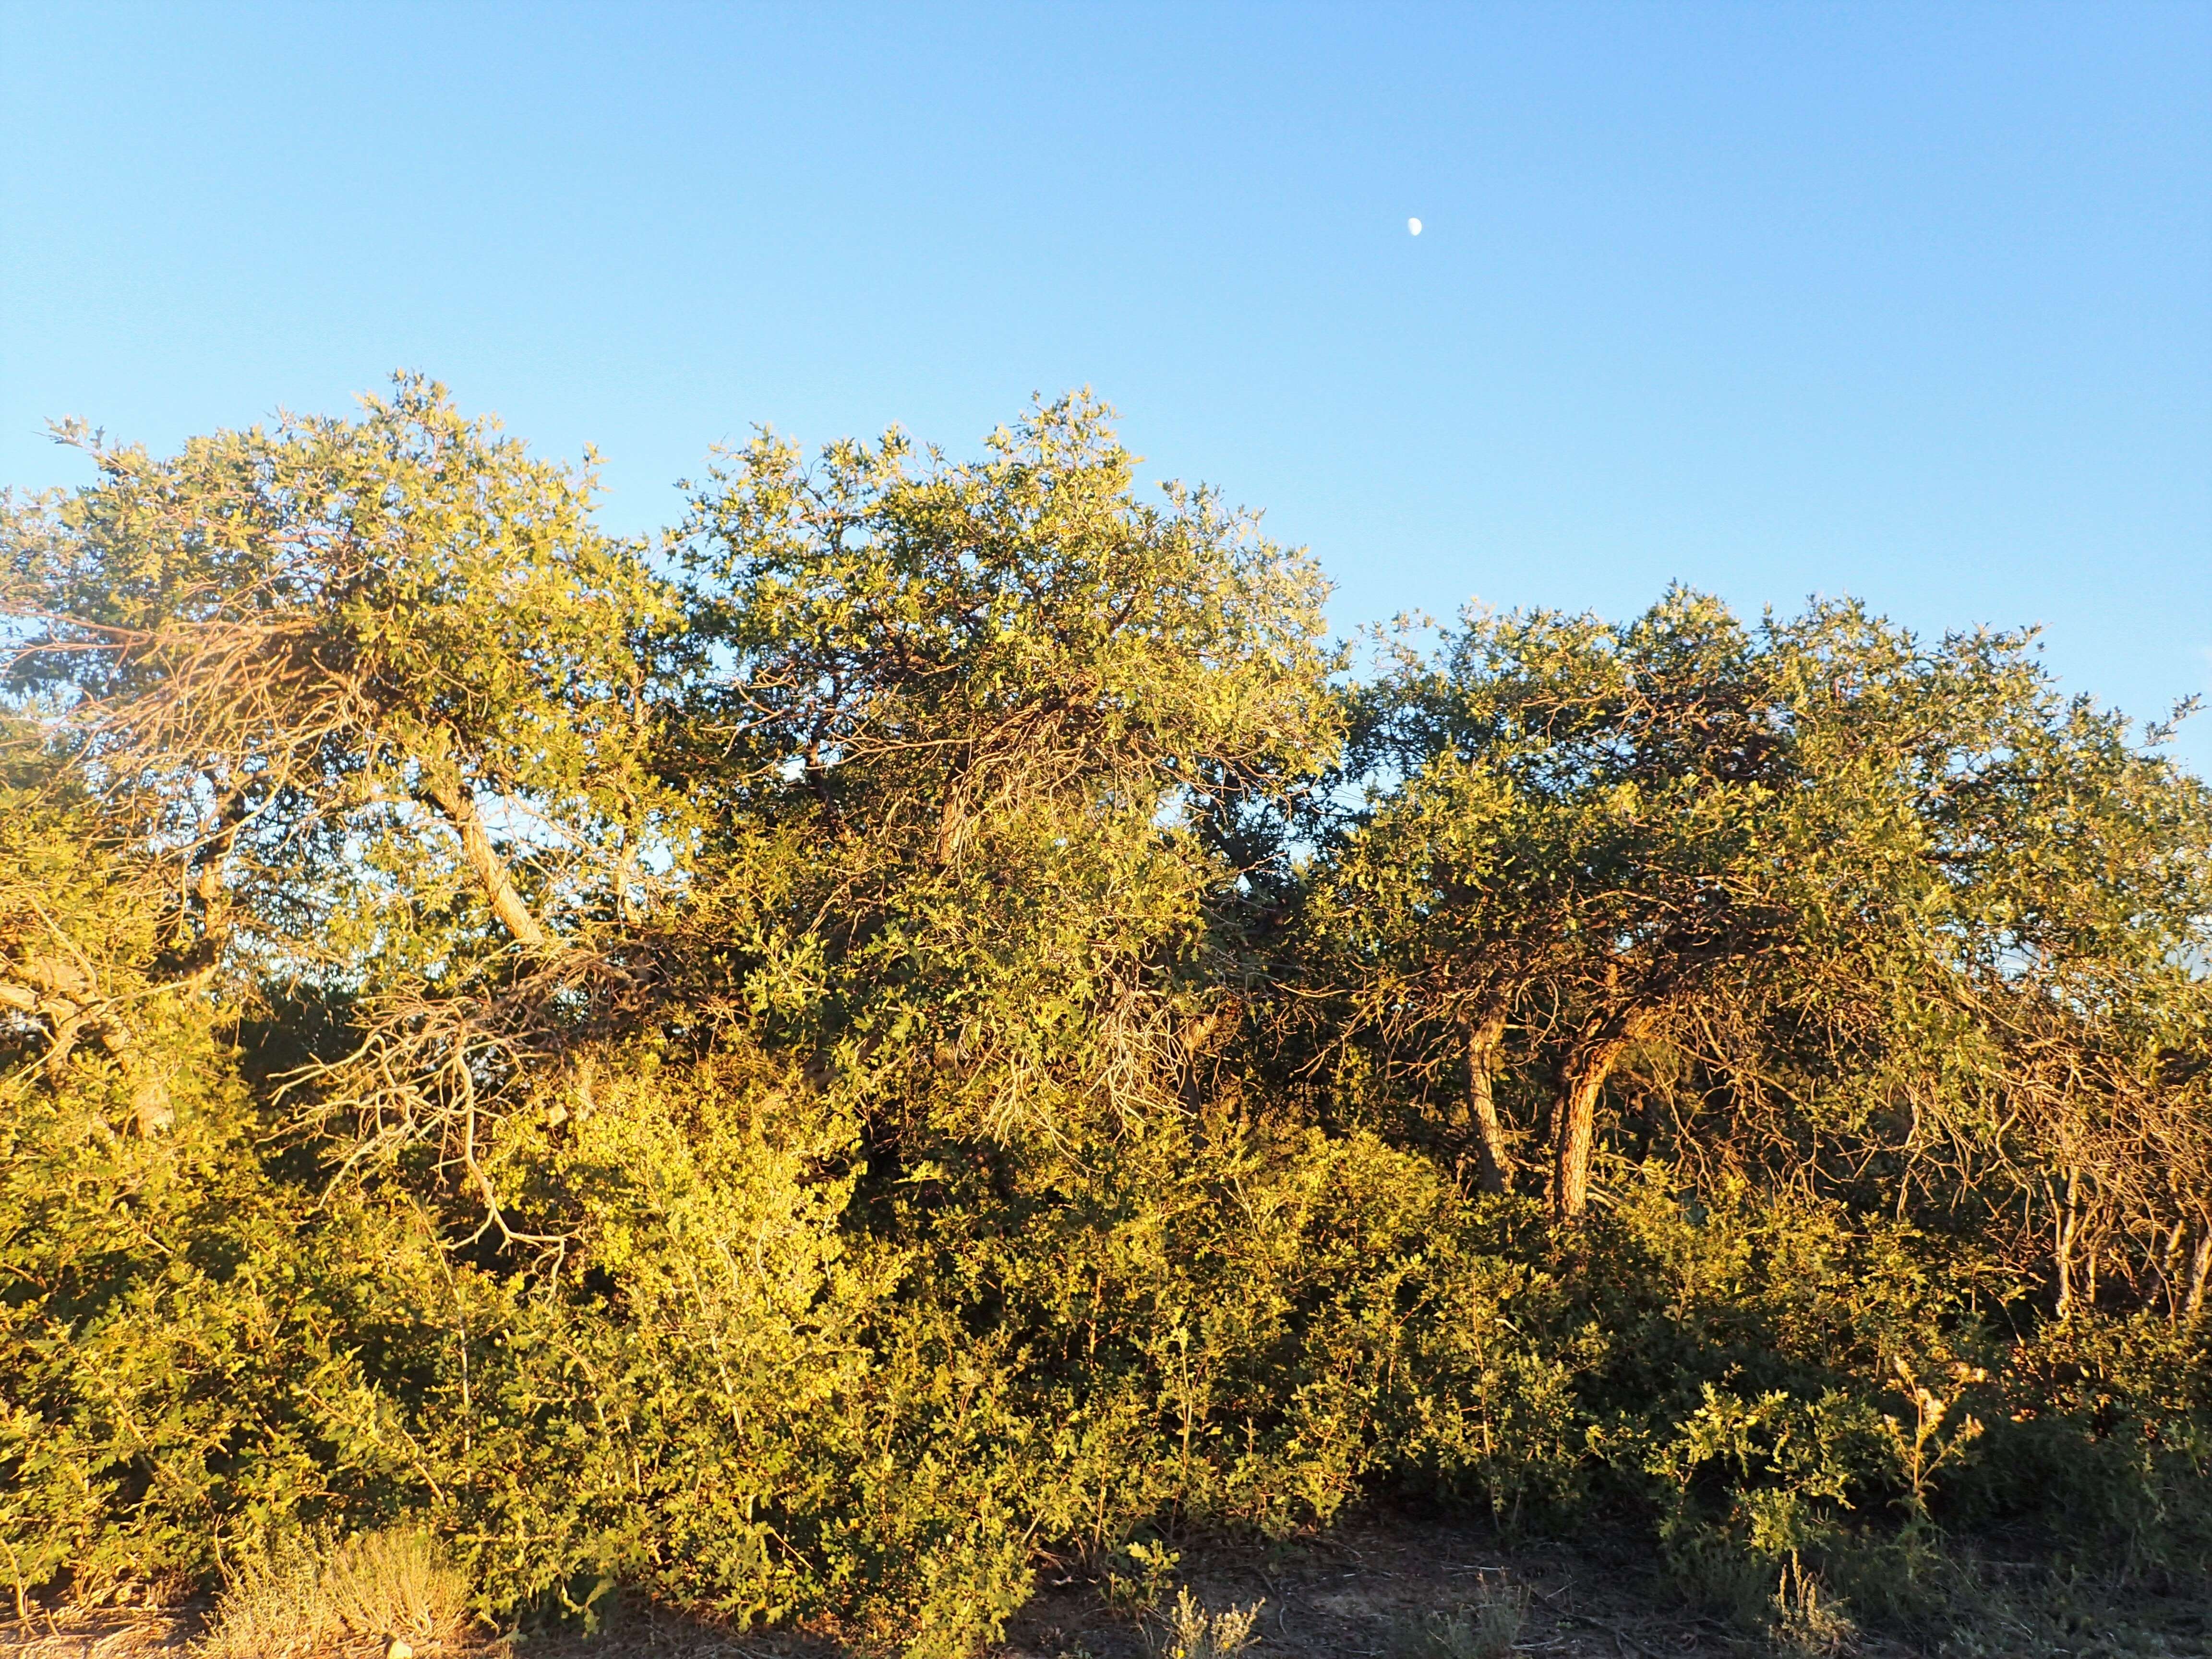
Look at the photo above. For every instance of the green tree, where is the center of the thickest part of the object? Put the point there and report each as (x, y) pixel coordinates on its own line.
(1001, 723)
(381, 703)
(1901, 890)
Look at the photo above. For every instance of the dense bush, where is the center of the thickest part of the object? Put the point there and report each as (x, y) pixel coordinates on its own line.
(916, 1023)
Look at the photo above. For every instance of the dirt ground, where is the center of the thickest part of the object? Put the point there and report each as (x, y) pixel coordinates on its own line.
(1353, 1594)
(1344, 1595)
(66, 1635)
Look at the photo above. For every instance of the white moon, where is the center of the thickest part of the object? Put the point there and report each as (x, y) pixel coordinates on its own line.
(1412, 226)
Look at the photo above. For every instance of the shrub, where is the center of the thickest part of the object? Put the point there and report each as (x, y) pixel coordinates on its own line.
(1485, 1628)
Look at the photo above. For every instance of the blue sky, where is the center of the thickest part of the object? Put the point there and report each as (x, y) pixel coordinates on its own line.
(1913, 302)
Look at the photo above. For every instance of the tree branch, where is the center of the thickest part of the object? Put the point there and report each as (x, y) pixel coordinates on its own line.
(455, 798)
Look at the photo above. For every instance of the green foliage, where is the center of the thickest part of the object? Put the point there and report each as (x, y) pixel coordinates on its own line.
(917, 1023)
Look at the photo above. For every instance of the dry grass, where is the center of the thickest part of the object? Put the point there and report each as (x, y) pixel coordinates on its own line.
(1195, 1633)
(300, 1600)
(1807, 1620)
(1484, 1626)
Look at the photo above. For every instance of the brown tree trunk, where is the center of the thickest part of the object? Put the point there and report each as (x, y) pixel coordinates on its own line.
(1574, 1122)
(453, 799)
(1574, 1119)
(1495, 1162)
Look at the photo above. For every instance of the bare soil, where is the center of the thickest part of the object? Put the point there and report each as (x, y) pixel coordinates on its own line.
(69, 1634)
(1352, 1594)
(1341, 1595)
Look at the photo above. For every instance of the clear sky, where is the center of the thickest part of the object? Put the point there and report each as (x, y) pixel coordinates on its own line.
(1913, 302)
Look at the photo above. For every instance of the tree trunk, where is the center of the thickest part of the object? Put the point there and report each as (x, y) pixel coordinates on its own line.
(1574, 1122)
(1496, 1168)
(1574, 1119)
(2070, 1221)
